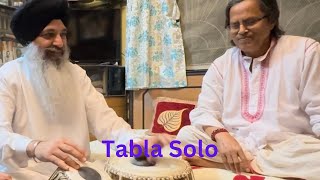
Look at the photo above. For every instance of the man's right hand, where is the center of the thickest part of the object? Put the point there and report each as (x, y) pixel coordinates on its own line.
(61, 152)
(161, 139)
(4, 176)
(231, 153)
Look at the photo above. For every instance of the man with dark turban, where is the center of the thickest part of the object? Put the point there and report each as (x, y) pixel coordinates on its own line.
(48, 105)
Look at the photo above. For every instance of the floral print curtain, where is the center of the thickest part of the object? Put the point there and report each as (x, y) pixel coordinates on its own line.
(154, 51)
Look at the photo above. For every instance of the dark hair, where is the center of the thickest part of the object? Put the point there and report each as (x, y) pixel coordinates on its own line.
(268, 7)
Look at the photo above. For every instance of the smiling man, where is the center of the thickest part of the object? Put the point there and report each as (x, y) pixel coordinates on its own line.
(260, 101)
(48, 105)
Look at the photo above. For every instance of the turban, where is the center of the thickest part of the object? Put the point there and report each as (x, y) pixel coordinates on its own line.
(31, 18)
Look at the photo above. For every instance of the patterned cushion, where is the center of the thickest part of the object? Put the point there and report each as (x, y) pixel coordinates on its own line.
(170, 115)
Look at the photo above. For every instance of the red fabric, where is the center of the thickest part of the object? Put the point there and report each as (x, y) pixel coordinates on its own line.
(256, 178)
(242, 177)
(171, 106)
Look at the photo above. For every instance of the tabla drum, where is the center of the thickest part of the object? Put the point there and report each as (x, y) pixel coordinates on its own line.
(87, 171)
(165, 169)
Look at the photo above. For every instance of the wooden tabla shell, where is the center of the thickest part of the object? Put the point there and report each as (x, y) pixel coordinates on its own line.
(164, 169)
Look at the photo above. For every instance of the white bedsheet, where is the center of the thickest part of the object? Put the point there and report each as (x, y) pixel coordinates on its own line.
(98, 152)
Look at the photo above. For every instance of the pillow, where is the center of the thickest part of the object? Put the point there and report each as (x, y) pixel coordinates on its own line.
(170, 115)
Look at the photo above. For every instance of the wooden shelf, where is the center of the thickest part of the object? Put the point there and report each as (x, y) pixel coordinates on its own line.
(7, 7)
(118, 104)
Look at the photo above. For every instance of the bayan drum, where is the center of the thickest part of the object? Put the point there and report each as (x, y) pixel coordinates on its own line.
(87, 171)
(165, 168)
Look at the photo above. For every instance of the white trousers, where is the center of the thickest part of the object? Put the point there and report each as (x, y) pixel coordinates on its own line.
(298, 156)
(192, 135)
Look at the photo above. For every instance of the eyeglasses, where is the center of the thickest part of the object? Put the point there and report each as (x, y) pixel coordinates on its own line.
(246, 23)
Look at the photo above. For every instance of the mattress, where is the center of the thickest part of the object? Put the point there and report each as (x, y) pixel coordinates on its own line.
(98, 152)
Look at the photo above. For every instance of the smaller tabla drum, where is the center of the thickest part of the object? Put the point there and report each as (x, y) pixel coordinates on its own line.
(164, 169)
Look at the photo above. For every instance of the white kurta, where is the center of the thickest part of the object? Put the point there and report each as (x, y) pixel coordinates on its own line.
(287, 102)
(22, 118)
(273, 111)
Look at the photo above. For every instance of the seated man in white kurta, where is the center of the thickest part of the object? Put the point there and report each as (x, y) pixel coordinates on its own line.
(260, 101)
(48, 105)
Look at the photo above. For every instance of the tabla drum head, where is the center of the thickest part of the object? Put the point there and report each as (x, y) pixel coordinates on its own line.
(87, 171)
(164, 169)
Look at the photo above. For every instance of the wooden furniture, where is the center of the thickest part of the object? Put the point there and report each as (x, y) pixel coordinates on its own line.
(119, 105)
(7, 41)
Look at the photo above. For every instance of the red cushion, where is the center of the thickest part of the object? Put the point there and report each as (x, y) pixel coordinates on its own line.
(170, 117)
